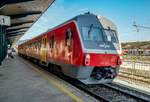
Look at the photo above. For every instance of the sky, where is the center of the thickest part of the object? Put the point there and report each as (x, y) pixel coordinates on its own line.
(121, 12)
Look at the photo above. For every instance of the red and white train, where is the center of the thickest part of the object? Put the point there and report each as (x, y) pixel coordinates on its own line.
(85, 48)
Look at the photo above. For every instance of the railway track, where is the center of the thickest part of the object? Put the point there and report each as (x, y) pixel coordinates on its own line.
(110, 92)
(130, 92)
(106, 92)
(114, 93)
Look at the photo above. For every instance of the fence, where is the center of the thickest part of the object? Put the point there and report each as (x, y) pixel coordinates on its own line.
(135, 72)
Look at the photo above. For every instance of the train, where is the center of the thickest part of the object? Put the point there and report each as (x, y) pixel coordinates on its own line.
(86, 48)
(136, 52)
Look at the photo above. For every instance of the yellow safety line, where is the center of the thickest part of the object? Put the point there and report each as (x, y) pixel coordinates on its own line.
(59, 85)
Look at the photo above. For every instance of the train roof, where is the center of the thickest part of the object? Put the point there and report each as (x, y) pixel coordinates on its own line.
(84, 20)
(89, 18)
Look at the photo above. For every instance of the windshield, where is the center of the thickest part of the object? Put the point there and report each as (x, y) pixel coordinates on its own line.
(91, 34)
(97, 38)
(110, 35)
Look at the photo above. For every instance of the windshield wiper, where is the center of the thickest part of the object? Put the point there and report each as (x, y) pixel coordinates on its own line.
(89, 31)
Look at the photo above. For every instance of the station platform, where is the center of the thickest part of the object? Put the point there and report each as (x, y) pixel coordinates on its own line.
(21, 81)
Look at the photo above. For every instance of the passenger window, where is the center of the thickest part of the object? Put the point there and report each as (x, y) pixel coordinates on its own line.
(68, 37)
(45, 42)
(39, 44)
(52, 42)
(42, 43)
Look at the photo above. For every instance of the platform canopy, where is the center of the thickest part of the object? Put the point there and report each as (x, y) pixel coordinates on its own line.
(23, 14)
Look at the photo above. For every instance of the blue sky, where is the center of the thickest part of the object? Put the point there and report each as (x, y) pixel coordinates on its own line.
(122, 12)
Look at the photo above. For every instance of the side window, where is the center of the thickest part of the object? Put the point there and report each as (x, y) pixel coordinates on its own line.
(45, 43)
(39, 44)
(68, 37)
(52, 42)
(34, 45)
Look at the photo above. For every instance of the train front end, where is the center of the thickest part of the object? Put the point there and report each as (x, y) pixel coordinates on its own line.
(101, 48)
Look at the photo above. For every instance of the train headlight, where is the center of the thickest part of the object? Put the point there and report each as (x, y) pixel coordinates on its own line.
(87, 59)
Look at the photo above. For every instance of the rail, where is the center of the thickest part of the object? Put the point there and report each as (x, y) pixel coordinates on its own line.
(139, 65)
(115, 93)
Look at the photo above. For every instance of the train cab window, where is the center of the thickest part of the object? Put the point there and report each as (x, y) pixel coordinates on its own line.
(51, 42)
(91, 34)
(110, 35)
(68, 37)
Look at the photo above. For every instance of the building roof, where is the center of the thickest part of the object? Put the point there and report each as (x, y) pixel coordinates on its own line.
(23, 13)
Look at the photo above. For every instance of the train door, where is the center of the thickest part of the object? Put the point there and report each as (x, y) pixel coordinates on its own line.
(44, 49)
(51, 46)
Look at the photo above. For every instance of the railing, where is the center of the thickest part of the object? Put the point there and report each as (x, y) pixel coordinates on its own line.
(136, 65)
(137, 72)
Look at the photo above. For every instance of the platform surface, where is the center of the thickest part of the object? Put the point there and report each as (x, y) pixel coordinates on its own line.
(20, 81)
